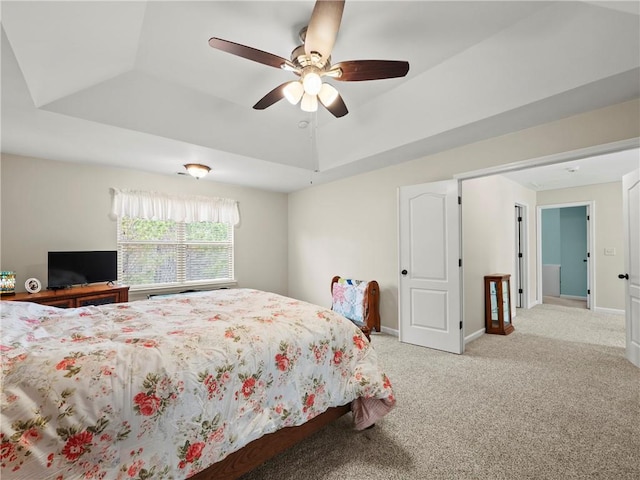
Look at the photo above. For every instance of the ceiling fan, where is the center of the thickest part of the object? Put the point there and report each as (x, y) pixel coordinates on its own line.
(312, 60)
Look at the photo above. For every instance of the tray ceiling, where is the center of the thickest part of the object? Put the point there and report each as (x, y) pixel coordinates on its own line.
(136, 85)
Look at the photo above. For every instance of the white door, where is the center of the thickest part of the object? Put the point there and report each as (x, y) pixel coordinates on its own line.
(631, 210)
(429, 282)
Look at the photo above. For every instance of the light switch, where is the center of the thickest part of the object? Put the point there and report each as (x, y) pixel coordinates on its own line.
(609, 251)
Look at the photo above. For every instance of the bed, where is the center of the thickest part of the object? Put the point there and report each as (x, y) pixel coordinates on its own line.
(182, 386)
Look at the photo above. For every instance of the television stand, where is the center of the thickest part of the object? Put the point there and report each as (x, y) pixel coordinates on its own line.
(76, 296)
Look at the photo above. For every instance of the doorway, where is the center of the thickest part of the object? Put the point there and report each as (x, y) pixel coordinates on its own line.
(482, 221)
(565, 236)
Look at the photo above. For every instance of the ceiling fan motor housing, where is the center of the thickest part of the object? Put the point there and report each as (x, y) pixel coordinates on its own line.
(301, 60)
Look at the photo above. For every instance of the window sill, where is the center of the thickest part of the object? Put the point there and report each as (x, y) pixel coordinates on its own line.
(142, 293)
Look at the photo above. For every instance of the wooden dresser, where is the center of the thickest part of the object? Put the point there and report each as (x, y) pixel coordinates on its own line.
(75, 296)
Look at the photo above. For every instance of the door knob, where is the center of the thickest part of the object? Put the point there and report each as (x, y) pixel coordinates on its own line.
(404, 272)
(624, 276)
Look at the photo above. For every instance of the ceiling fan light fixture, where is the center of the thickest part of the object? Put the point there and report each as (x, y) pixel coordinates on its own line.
(312, 60)
(309, 103)
(293, 92)
(312, 83)
(197, 170)
(327, 94)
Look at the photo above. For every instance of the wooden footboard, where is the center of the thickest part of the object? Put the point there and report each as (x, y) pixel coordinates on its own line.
(259, 451)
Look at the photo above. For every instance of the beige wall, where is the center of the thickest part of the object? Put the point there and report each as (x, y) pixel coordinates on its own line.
(488, 242)
(607, 218)
(50, 205)
(349, 227)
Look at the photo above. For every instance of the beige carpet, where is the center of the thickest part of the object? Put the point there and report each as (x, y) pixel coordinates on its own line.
(567, 302)
(556, 399)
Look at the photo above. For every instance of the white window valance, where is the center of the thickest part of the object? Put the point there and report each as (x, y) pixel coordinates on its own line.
(162, 206)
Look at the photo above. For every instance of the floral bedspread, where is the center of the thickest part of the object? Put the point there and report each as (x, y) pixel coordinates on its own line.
(164, 388)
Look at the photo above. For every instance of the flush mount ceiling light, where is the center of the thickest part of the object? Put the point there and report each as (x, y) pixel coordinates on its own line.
(197, 170)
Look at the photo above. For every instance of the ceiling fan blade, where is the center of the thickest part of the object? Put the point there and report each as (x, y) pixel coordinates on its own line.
(272, 97)
(323, 27)
(250, 53)
(337, 107)
(359, 70)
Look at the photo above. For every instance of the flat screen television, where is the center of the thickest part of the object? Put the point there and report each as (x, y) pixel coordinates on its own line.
(80, 268)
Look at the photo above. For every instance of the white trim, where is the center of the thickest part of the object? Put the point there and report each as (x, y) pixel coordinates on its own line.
(474, 336)
(388, 331)
(611, 311)
(526, 295)
(552, 159)
(461, 269)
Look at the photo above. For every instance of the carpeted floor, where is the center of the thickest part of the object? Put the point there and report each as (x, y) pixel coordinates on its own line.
(567, 302)
(556, 399)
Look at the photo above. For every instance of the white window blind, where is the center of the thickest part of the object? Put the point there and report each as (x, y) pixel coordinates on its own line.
(154, 252)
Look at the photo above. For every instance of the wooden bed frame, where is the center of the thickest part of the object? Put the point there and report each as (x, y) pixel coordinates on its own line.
(370, 304)
(259, 451)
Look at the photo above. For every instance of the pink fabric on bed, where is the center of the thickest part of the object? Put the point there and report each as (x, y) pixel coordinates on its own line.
(367, 411)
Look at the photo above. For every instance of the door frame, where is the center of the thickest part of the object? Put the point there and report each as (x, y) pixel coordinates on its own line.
(591, 239)
(523, 267)
(631, 290)
(557, 158)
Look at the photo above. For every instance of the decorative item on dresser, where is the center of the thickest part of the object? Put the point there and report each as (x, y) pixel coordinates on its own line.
(33, 285)
(7, 283)
(497, 300)
(76, 296)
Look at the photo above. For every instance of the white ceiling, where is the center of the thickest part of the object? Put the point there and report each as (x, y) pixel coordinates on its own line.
(136, 85)
(605, 168)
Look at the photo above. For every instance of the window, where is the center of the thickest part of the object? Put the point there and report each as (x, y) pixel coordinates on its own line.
(169, 240)
(154, 253)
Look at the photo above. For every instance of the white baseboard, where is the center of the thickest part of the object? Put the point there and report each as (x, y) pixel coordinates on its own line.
(611, 311)
(388, 331)
(474, 336)
(470, 338)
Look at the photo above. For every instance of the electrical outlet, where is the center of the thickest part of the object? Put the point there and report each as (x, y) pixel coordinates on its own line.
(609, 251)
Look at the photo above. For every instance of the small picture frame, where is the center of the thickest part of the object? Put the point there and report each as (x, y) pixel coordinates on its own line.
(33, 285)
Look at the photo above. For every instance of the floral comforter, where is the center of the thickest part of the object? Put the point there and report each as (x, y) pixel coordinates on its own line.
(164, 388)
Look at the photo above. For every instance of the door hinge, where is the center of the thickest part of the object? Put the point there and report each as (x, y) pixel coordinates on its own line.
(588, 218)
(588, 292)
(588, 255)
(519, 255)
(459, 200)
(459, 262)
(460, 324)
(519, 219)
(520, 290)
